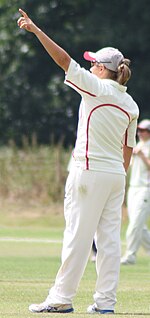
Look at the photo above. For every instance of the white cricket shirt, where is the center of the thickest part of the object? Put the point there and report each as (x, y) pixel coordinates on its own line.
(107, 120)
(140, 174)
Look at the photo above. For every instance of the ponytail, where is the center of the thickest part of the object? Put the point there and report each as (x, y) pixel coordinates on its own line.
(124, 72)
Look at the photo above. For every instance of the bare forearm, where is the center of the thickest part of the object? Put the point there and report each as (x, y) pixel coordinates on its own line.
(127, 153)
(59, 55)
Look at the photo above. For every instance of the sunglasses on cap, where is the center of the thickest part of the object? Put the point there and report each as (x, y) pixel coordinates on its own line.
(98, 63)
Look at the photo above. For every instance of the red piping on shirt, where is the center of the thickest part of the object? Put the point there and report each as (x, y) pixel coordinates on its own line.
(82, 90)
(88, 122)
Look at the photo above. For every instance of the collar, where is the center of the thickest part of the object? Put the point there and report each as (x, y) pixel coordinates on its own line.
(121, 88)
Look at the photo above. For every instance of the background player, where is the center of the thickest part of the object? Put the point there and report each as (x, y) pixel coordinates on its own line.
(139, 196)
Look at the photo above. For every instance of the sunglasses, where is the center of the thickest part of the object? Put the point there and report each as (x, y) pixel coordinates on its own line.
(98, 63)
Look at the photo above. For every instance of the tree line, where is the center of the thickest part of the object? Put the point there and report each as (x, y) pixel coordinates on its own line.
(33, 97)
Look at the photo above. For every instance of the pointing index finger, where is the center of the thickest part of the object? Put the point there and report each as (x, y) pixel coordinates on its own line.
(23, 13)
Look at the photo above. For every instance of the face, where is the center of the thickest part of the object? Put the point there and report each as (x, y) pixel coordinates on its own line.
(143, 134)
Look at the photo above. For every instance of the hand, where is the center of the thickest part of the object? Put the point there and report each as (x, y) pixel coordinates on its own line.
(137, 151)
(26, 23)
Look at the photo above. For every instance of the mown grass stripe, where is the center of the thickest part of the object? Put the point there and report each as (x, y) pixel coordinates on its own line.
(29, 240)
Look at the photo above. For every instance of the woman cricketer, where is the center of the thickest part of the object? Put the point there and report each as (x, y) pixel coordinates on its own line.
(95, 186)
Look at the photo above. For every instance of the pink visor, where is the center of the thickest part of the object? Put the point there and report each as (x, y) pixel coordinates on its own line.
(89, 56)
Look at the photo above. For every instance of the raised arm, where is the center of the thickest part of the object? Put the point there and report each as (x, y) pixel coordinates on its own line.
(60, 56)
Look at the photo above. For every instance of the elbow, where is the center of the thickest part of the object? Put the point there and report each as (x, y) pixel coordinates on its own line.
(64, 62)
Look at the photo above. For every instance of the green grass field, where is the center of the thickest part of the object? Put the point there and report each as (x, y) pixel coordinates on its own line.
(28, 268)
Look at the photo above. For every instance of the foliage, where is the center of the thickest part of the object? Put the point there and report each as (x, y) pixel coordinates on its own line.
(34, 99)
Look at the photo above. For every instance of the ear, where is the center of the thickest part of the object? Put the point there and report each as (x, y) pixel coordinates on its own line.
(102, 68)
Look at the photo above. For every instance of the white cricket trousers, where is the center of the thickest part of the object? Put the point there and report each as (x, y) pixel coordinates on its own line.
(92, 205)
(138, 212)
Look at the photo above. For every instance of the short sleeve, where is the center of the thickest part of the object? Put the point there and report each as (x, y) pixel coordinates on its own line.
(130, 135)
(83, 81)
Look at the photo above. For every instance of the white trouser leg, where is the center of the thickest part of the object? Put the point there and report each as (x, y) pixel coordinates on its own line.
(138, 208)
(86, 196)
(81, 222)
(108, 246)
(146, 238)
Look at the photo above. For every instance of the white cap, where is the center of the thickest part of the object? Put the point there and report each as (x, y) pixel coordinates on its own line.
(144, 124)
(108, 56)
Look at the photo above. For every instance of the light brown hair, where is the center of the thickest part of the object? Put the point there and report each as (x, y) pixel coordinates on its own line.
(123, 74)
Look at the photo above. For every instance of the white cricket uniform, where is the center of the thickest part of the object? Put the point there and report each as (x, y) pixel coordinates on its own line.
(95, 186)
(138, 205)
